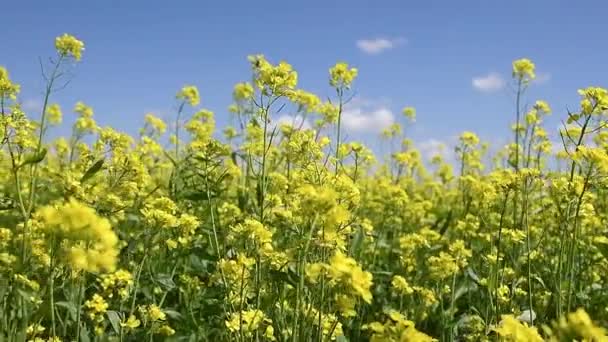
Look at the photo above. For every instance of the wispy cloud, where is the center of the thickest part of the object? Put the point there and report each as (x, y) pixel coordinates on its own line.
(378, 45)
(489, 83)
(367, 117)
(542, 77)
(443, 147)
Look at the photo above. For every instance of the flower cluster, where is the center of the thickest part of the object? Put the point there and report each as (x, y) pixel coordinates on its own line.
(287, 231)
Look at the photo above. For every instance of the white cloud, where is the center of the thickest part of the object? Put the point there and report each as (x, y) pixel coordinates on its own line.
(438, 147)
(363, 120)
(489, 83)
(378, 45)
(542, 78)
(432, 147)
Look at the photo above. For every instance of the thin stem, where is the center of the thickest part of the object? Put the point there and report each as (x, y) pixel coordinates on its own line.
(340, 95)
(177, 126)
(78, 301)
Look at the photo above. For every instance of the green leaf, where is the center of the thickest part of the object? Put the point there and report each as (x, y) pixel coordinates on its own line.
(70, 307)
(166, 281)
(34, 158)
(464, 289)
(539, 280)
(84, 335)
(92, 170)
(473, 276)
(114, 318)
(173, 314)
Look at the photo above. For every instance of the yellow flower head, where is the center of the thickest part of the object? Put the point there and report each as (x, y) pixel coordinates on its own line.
(8, 89)
(410, 113)
(340, 76)
(156, 123)
(271, 79)
(89, 243)
(243, 91)
(469, 138)
(54, 115)
(83, 110)
(511, 329)
(523, 69)
(131, 323)
(542, 106)
(189, 94)
(594, 100)
(68, 46)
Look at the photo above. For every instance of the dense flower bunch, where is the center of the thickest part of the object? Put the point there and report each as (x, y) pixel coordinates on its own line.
(286, 232)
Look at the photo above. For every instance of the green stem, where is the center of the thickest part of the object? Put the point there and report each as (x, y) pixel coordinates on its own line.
(78, 311)
(340, 105)
(528, 249)
(52, 290)
(179, 113)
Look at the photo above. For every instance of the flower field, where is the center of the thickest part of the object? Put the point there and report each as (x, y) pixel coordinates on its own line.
(276, 232)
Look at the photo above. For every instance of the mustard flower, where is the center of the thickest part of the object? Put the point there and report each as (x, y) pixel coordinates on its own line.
(341, 76)
(190, 95)
(90, 243)
(8, 89)
(523, 69)
(68, 46)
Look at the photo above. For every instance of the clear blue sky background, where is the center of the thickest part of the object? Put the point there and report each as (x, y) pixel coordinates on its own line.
(139, 53)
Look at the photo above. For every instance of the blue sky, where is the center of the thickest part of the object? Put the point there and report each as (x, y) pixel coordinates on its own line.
(424, 54)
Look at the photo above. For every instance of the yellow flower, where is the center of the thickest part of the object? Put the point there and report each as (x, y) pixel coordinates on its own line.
(248, 320)
(269, 333)
(345, 269)
(542, 106)
(410, 113)
(273, 80)
(346, 305)
(328, 111)
(469, 138)
(83, 110)
(54, 115)
(118, 282)
(523, 69)
(306, 101)
(171, 244)
(595, 100)
(34, 330)
(69, 46)
(166, 330)
(8, 89)
(96, 308)
(578, 326)
(511, 329)
(243, 91)
(340, 76)
(189, 94)
(154, 313)
(131, 323)
(89, 244)
(401, 286)
(156, 123)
